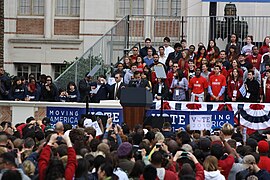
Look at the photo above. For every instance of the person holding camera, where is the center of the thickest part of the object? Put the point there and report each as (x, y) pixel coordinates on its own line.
(52, 167)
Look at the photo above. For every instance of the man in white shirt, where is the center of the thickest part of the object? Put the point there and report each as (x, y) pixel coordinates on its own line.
(162, 56)
(167, 47)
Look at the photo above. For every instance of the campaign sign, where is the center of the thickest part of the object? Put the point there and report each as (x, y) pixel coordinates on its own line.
(200, 122)
(72, 115)
(179, 119)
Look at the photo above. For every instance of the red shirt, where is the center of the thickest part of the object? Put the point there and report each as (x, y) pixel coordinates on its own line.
(267, 94)
(198, 84)
(255, 60)
(169, 79)
(216, 82)
(226, 165)
(234, 85)
(264, 163)
(223, 72)
(241, 73)
(264, 49)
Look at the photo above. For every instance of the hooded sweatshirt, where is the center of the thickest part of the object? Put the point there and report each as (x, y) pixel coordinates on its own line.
(213, 175)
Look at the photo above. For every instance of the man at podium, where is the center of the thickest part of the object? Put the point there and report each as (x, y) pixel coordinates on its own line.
(138, 82)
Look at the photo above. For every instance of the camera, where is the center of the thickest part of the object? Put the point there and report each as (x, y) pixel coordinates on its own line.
(184, 155)
(158, 145)
(59, 139)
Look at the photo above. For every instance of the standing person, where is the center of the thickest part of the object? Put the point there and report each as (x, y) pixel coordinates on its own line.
(184, 44)
(247, 49)
(127, 62)
(179, 86)
(213, 57)
(235, 65)
(162, 55)
(200, 55)
(120, 69)
(129, 74)
(85, 87)
(72, 92)
(135, 54)
(223, 58)
(171, 74)
(211, 169)
(18, 90)
(183, 61)
(255, 58)
(149, 60)
(232, 54)
(264, 48)
(49, 91)
(168, 49)
(176, 55)
(234, 84)
(252, 88)
(233, 41)
(115, 89)
(210, 46)
(140, 63)
(205, 73)
(102, 90)
(266, 87)
(5, 84)
(161, 90)
(198, 87)
(143, 51)
(191, 52)
(217, 84)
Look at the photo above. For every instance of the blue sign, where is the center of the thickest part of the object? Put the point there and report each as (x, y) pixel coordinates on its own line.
(181, 118)
(72, 115)
(250, 1)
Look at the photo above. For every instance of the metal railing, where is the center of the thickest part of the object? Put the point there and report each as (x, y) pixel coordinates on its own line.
(131, 30)
(197, 29)
(105, 52)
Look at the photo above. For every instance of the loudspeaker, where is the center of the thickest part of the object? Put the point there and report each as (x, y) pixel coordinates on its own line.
(156, 122)
(136, 97)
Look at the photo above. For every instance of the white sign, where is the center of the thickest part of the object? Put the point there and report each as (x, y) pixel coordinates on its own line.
(200, 122)
(97, 128)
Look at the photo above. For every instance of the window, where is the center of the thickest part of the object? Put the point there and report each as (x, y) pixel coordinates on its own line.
(59, 69)
(131, 7)
(25, 69)
(168, 8)
(31, 7)
(67, 7)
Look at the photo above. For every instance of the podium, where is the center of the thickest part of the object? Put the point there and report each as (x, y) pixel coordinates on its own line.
(134, 102)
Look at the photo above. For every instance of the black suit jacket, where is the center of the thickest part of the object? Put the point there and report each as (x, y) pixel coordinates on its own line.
(102, 94)
(84, 89)
(164, 91)
(142, 84)
(174, 57)
(112, 91)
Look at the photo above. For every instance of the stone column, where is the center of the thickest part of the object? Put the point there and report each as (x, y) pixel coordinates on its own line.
(48, 19)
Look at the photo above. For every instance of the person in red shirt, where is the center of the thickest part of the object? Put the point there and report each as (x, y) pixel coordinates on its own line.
(170, 74)
(135, 54)
(197, 87)
(217, 84)
(266, 87)
(255, 58)
(234, 84)
(223, 69)
(235, 65)
(225, 161)
(263, 148)
(265, 46)
(200, 55)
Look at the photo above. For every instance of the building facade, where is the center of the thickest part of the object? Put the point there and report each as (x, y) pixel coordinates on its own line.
(40, 36)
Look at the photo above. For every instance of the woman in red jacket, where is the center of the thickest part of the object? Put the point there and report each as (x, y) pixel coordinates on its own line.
(234, 84)
(235, 65)
(265, 46)
(53, 168)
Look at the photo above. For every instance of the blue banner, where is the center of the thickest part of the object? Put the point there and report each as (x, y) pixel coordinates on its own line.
(250, 1)
(72, 115)
(181, 118)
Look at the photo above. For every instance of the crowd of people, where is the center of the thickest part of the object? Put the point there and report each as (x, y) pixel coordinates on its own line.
(207, 73)
(37, 150)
